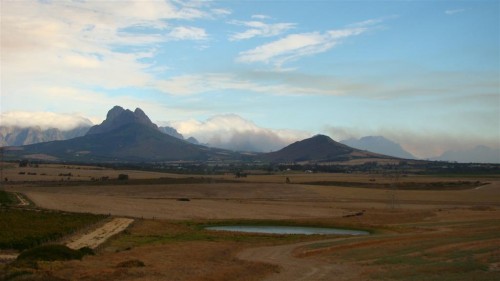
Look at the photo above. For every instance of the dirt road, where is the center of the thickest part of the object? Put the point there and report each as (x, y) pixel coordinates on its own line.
(96, 237)
(297, 269)
(22, 201)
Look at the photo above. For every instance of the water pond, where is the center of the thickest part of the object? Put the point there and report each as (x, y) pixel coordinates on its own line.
(288, 230)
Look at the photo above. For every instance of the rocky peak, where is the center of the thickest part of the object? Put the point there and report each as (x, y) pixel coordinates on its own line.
(118, 117)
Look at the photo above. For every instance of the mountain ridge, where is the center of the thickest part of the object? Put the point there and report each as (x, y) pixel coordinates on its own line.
(379, 144)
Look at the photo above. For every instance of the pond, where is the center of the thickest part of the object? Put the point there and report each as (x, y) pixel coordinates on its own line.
(288, 230)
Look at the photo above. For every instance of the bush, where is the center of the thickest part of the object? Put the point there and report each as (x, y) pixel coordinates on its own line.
(123, 177)
(131, 263)
(52, 252)
(86, 251)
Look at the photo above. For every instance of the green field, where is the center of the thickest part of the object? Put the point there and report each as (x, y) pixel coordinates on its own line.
(24, 229)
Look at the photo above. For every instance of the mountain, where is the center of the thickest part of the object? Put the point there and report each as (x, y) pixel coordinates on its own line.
(173, 132)
(118, 117)
(478, 154)
(318, 148)
(15, 136)
(379, 144)
(124, 136)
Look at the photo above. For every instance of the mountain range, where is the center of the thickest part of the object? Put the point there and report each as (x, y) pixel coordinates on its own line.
(124, 135)
(17, 136)
(127, 135)
(130, 136)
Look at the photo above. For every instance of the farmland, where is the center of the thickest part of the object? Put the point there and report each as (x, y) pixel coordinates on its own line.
(423, 226)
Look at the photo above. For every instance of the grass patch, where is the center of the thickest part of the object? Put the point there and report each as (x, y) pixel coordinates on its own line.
(7, 198)
(148, 232)
(24, 229)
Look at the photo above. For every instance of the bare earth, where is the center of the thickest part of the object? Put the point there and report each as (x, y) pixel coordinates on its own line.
(96, 237)
(299, 269)
(247, 200)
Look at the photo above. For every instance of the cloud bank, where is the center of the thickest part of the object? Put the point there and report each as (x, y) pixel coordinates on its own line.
(236, 133)
(44, 120)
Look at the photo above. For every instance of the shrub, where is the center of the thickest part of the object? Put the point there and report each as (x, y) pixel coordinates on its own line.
(131, 263)
(86, 251)
(52, 252)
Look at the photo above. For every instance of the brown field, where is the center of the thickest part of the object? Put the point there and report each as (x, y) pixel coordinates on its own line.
(433, 233)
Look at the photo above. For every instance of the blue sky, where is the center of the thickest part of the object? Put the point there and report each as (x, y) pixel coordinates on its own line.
(422, 73)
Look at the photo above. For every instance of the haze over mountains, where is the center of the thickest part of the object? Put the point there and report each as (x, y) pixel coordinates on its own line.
(237, 134)
(379, 144)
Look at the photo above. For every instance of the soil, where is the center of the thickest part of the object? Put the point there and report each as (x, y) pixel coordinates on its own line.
(94, 238)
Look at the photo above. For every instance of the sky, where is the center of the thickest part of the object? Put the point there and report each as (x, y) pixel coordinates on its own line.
(425, 74)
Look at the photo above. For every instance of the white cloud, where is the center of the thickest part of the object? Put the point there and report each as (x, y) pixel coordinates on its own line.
(454, 11)
(204, 83)
(221, 12)
(295, 46)
(233, 132)
(85, 43)
(188, 33)
(44, 120)
(260, 17)
(259, 29)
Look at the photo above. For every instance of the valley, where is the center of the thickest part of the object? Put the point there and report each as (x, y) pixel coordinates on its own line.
(170, 211)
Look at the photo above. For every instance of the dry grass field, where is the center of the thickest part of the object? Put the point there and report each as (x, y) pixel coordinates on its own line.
(423, 227)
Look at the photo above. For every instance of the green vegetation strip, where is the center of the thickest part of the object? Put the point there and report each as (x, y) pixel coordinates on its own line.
(24, 229)
(7, 198)
(452, 185)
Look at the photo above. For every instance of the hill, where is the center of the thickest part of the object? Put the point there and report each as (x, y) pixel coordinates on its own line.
(319, 148)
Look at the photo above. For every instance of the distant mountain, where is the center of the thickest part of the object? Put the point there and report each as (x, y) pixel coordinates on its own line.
(124, 136)
(173, 132)
(318, 148)
(16, 136)
(379, 144)
(478, 154)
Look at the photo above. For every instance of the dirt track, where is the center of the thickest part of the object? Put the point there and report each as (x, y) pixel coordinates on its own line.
(293, 268)
(96, 237)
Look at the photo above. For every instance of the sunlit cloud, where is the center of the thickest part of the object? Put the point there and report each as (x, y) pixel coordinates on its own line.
(233, 132)
(85, 43)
